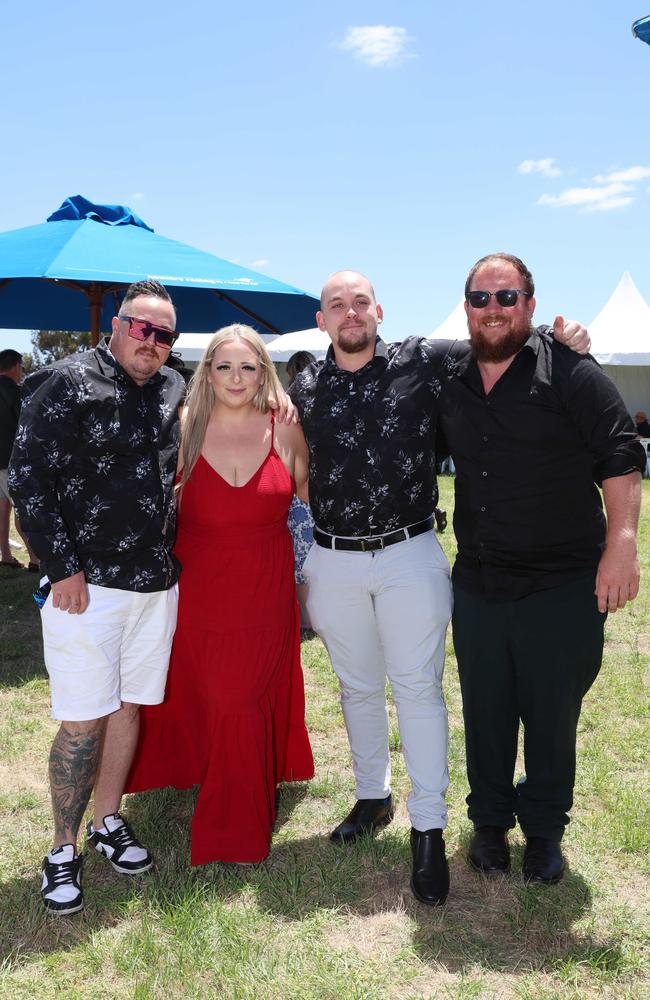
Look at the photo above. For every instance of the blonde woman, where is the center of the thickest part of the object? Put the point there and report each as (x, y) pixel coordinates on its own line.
(233, 718)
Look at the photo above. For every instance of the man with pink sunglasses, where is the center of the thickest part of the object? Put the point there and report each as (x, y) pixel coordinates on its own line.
(92, 477)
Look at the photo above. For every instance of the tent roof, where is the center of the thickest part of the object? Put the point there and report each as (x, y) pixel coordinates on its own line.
(191, 346)
(454, 327)
(620, 333)
(281, 348)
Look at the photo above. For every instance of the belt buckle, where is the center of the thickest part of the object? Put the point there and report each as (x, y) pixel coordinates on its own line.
(372, 544)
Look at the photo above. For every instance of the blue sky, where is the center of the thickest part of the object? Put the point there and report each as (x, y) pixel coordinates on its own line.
(299, 139)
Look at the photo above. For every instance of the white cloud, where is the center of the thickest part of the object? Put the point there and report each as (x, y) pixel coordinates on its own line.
(137, 196)
(591, 199)
(262, 262)
(628, 176)
(545, 167)
(376, 44)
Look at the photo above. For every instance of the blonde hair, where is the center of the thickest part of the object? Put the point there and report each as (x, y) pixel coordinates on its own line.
(201, 397)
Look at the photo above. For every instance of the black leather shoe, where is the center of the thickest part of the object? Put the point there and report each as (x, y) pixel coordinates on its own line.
(543, 861)
(488, 850)
(430, 881)
(366, 816)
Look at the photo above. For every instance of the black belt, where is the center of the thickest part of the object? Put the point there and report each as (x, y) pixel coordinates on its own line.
(373, 542)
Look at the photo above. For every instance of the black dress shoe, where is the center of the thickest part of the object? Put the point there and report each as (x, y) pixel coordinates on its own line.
(430, 881)
(543, 861)
(366, 816)
(488, 850)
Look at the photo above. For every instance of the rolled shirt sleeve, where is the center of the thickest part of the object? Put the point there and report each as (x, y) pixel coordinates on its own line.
(603, 422)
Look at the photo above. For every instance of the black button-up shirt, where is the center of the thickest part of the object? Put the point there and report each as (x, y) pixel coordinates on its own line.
(92, 471)
(528, 455)
(371, 437)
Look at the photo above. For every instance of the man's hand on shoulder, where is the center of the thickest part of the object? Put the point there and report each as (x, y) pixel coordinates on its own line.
(572, 334)
(284, 410)
(617, 580)
(71, 594)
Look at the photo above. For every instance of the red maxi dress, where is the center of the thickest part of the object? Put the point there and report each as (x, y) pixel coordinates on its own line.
(233, 716)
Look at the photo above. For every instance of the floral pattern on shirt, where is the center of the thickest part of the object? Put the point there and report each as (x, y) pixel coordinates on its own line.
(371, 437)
(92, 471)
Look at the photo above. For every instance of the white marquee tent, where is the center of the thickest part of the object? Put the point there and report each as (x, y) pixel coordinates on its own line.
(454, 327)
(191, 346)
(315, 341)
(620, 336)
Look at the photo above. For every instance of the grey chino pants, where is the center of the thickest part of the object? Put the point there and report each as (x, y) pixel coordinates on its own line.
(385, 614)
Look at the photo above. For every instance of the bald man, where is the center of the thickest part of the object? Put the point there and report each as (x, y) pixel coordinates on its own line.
(379, 583)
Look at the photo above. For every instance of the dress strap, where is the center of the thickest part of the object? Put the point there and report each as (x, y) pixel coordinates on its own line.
(272, 430)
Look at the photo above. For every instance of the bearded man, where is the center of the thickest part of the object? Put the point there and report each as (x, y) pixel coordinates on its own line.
(534, 429)
(379, 593)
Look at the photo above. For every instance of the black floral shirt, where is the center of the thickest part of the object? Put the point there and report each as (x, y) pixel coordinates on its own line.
(371, 437)
(92, 471)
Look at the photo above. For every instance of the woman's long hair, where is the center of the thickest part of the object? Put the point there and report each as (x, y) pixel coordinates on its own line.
(201, 396)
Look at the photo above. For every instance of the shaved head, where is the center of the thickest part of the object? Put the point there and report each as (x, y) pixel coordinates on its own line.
(346, 276)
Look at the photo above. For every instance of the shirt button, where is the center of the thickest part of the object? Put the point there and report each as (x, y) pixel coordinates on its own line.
(485, 437)
(483, 509)
(484, 473)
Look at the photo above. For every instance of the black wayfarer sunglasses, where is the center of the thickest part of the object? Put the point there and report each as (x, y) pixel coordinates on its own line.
(506, 297)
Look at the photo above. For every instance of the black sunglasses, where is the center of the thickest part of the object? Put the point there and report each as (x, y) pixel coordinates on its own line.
(141, 329)
(506, 297)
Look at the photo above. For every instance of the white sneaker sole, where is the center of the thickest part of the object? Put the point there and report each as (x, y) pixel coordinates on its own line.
(58, 911)
(130, 871)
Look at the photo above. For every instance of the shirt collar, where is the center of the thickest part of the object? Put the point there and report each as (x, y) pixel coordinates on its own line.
(381, 352)
(533, 343)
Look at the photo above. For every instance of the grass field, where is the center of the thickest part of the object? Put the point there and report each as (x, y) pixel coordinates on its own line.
(316, 921)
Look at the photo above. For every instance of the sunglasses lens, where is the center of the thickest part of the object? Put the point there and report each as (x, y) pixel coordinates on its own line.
(163, 338)
(507, 297)
(478, 300)
(140, 329)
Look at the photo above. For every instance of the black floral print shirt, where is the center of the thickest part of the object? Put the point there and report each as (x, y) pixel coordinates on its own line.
(92, 471)
(371, 437)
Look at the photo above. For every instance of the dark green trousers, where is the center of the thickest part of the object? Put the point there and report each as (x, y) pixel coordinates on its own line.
(531, 660)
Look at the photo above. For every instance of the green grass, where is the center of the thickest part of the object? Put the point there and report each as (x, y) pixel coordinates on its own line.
(315, 921)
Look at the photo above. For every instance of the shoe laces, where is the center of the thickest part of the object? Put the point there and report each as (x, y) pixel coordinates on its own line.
(122, 836)
(64, 871)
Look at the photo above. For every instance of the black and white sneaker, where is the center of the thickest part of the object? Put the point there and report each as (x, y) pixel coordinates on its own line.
(116, 842)
(61, 886)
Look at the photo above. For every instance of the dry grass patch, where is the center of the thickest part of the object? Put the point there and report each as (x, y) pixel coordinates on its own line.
(317, 922)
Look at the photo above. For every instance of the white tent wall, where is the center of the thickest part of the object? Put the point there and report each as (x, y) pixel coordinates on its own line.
(620, 336)
(633, 383)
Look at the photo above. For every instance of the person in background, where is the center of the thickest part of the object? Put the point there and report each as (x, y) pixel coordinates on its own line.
(301, 523)
(642, 425)
(11, 373)
(233, 717)
(533, 429)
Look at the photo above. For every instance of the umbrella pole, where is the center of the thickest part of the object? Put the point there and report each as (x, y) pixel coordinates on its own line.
(95, 296)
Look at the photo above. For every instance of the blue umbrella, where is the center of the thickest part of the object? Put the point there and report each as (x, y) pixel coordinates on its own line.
(641, 29)
(70, 273)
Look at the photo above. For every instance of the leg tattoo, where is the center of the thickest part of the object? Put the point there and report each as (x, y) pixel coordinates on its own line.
(73, 764)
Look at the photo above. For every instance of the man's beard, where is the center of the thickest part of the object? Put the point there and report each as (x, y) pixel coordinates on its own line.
(353, 342)
(486, 348)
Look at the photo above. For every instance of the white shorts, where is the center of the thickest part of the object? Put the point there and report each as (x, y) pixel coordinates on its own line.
(116, 651)
(4, 489)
